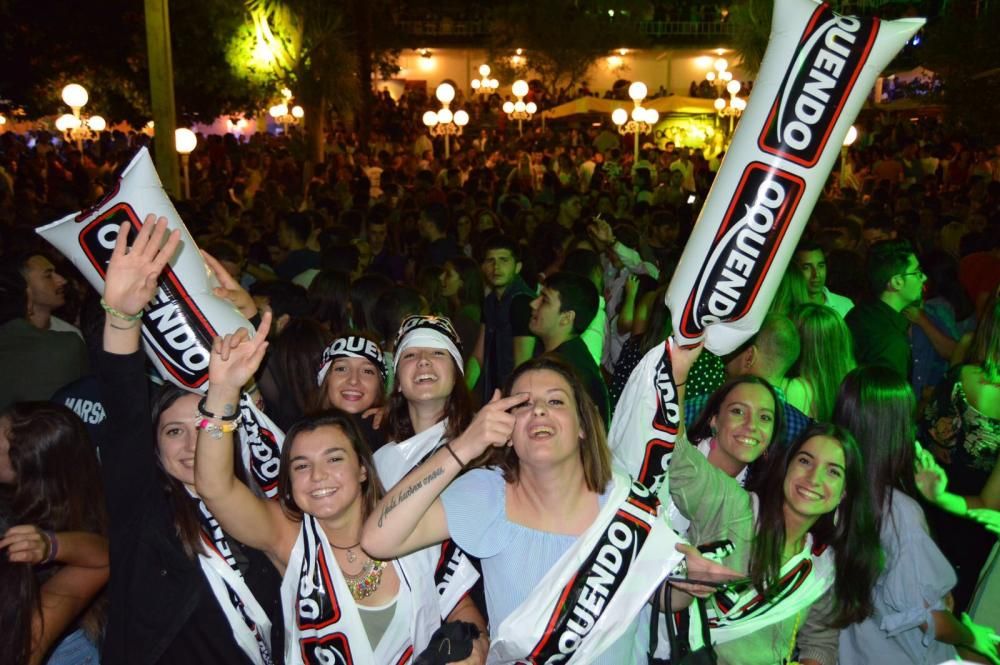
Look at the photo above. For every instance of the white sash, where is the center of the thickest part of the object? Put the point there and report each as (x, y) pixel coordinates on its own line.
(454, 574)
(261, 441)
(590, 596)
(322, 622)
(735, 614)
(250, 624)
(644, 429)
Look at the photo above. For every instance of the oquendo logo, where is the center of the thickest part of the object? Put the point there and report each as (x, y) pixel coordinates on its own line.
(822, 72)
(173, 326)
(741, 253)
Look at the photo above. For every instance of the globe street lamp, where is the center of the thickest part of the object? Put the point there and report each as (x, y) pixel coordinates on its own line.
(286, 114)
(444, 122)
(76, 126)
(732, 107)
(484, 84)
(640, 121)
(519, 110)
(185, 142)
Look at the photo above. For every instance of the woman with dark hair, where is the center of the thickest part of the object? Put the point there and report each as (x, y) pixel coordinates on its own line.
(962, 427)
(182, 590)
(911, 622)
(55, 560)
(802, 531)
(462, 290)
(537, 507)
(330, 298)
(340, 603)
(288, 381)
(351, 376)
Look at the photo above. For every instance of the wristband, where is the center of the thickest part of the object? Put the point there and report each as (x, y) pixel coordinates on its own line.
(461, 464)
(216, 430)
(53, 546)
(118, 314)
(208, 414)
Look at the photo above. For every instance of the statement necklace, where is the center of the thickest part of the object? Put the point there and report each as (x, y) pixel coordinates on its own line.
(367, 581)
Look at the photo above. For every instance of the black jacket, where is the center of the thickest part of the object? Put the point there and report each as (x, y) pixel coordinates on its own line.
(162, 608)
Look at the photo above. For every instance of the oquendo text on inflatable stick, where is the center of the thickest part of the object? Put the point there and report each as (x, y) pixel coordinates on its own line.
(817, 71)
(178, 326)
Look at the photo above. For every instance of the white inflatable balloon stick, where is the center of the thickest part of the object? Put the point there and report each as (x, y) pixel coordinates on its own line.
(178, 326)
(816, 73)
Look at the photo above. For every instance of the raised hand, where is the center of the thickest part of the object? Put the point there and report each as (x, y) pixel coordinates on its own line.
(236, 357)
(988, 518)
(130, 282)
(931, 479)
(984, 639)
(229, 288)
(682, 359)
(492, 426)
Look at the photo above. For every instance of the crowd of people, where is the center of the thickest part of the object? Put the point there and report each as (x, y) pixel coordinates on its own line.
(446, 343)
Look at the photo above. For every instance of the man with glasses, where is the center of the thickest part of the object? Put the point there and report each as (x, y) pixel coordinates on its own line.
(881, 332)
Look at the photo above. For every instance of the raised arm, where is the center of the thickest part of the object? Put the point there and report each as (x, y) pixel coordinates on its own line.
(250, 519)
(411, 516)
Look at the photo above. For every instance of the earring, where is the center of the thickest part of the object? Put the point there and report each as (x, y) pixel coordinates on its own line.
(714, 432)
(836, 516)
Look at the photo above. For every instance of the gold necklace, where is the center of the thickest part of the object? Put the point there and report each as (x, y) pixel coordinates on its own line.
(366, 581)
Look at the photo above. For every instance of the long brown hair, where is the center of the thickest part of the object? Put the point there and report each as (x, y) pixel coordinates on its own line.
(372, 489)
(594, 452)
(457, 410)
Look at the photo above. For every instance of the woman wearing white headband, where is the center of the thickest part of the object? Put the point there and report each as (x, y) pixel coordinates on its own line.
(352, 375)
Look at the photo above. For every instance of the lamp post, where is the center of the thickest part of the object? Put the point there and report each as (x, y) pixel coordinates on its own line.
(76, 126)
(185, 142)
(484, 84)
(519, 110)
(444, 122)
(284, 114)
(640, 121)
(733, 107)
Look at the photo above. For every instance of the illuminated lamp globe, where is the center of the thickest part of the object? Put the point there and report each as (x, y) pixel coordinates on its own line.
(531, 107)
(721, 65)
(475, 84)
(652, 116)
(298, 112)
(3, 120)
(733, 87)
(851, 137)
(494, 84)
(720, 103)
(461, 118)
(445, 116)
(66, 121)
(709, 76)
(97, 123)
(430, 118)
(619, 116)
(278, 110)
(75, 95)
(638, 114)
(185, 140)
(520, 106)
(637, 91)
(520, 88)
(739, 103)
(508, 107)
(445, 93)
(484, 70)
(726, 76)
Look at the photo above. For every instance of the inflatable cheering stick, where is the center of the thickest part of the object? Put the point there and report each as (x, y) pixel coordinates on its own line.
(178, 326)
(817, 71)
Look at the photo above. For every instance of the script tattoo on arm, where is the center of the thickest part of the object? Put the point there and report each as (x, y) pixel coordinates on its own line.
(407, 492)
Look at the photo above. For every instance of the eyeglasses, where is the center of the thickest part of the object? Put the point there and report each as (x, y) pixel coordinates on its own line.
(918, 271)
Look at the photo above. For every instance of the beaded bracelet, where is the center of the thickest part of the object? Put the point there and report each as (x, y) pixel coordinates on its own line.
(203, 410)
(215, 429)
(118, 314)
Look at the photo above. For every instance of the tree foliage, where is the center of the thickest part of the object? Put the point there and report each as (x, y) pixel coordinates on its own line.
(562, 39)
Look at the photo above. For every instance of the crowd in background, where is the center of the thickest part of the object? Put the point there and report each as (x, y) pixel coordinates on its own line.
(899, 267)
